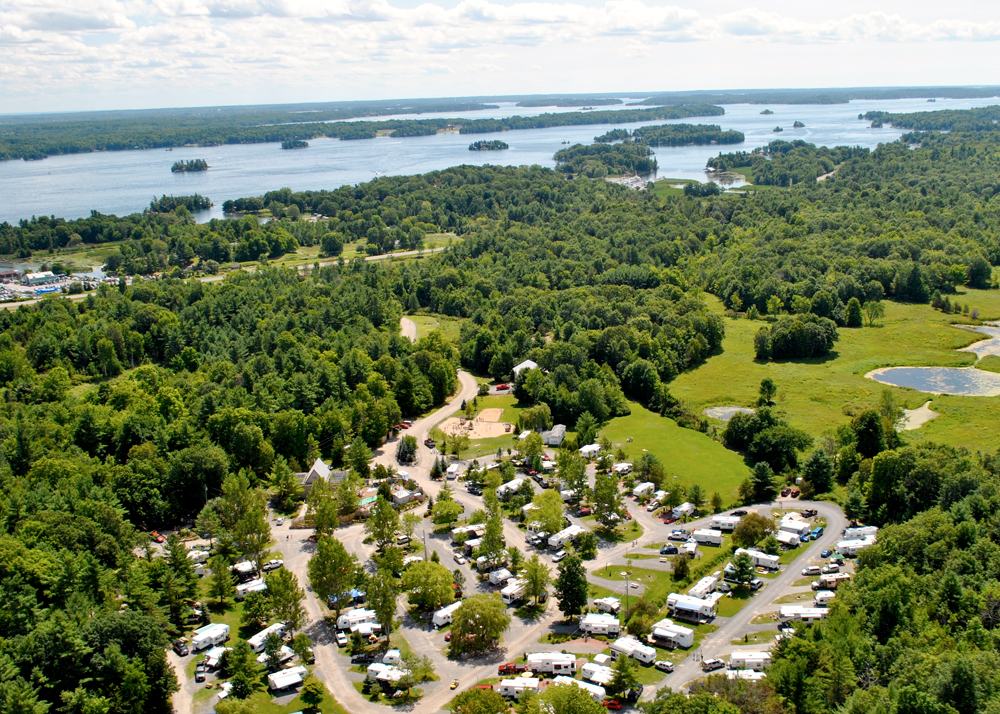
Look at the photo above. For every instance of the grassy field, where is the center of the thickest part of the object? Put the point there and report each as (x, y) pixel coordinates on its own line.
(664, 187)
(817, 394)
(658, 583)
(756, 638)
(729, 606)
(689, 456)
(449, 327)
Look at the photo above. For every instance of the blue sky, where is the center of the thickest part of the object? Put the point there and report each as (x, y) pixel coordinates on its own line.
(61, 55)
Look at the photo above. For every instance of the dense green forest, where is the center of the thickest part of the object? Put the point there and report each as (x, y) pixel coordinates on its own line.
(608, 116)
(982, 119)
(494, 145)
(294, 144)
(675, 135)
(783, 163)
(192, 165)
(600, 160)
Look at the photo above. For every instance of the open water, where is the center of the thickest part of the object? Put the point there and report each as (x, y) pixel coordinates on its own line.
(123, 182)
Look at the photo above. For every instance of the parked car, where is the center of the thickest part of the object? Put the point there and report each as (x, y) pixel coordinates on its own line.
(811, 570)
(668, 550)
(429, 443)
(679, 535)
(454, 684)
(272, 565)
(199, 675)
(558, 556)
(663, 665)
(668, 520)
(785, 491)
(158, 537)
(809, 513)
(511, 668)
(447, 636)
(543, 597)
(653, 506)
(795, 493)
(712, 664)
(363, 658)
(612, 704)
(583, 512)
(181, 648)
(831, 568)
(756, 584)
(503, 387)
(476, 490)
(826, 553)
(740, 512)
(805, 538)
(459, 559)
(628, 516)
(341, 639)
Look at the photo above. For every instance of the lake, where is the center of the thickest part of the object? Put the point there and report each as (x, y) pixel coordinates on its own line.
(123, 182)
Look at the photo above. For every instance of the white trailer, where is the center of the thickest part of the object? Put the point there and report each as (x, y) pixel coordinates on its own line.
(253, 586)
(690, 608)
(514, 592)
(564, 536)
(822, 598)
(355, 617)
(197, 556)
(689, 548)
(750, 660)
(704, 587)
(707, 536)
(795, 525)
(568, 495)
(670, 634)
(798, 613)
(551, 662)
(443, 616)
(596, 673)
(660, 496)
(787, 539)
(213, 658)
(287, 678)
(452, 472)
(643, 488)
(596, 691)
(516, 687)
(284, 655)
(631, 647)
(851, 548)
(209, 635)
(500, 577)
(622, 469)
(245, 569)
(608, 604)
(725, 523)
(860, 532)
(596, 624)
(761, 559)
(476, 530)
(685, 509)
(509, 488)
(257, 641)
(485, 562)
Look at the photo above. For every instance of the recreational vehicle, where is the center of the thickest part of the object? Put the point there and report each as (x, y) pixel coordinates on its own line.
(823, 597)
(690, 608)
(596, 624)
(860, 532)
(597, 673)
(669, 634)
(443, 616)
(253, 586)
(642, 489)
(287, 678)
(596, 691)
(209, 635)
(514, 592)
(608, 604)
(564, 536)
(551, 662)
(355, 617)
(500, 577)
(761, 559)
(851, 548)
(707, 536)
(704, 587)
(258, 641)
(516, 687)
(750, 660)
(798, 613)
(631, 647)
(725, 523)
(787, 539)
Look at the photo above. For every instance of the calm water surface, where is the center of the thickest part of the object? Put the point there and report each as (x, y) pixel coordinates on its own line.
(123, 182)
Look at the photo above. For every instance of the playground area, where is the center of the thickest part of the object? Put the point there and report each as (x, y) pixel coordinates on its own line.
(485, 425)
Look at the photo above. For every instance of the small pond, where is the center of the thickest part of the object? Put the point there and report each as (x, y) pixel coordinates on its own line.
(960, 381)
(725, 413)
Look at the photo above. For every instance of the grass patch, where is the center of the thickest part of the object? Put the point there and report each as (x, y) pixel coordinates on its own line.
(813, 393)
(729, 606)
(449, 327)
(755, 638)
(658, 583)
(662, 188)
(795, 597)
(804, 581)
(990, 363)
(765, 618)
(688, 456)
(264, 705)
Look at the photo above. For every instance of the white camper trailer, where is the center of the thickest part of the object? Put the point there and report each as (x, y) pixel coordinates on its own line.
(568, 495)
(851, 548)
(690, 608)
(787, 539)
(707, 536)
(608, 604)
(452, 472)
(860, 532)
(197, 556)
(631, 647)
(443, 616)
(245, 569)
(209, 635)
(798, 613)
(725, 523)
(795, 525)
(284, 655)
(514, 592)
(622, 469)
(358, 616)
(510, 487)
(685, 509)
(287, 678)
(667, 633)
(690, 548)
(257, 641)
(564, 536)
(596, 624)
(596, 691)
(761, 559)
(643, 488)
(500, 577)
(551, 662)
(750, 660)
(213, 657)
(823, 597)
(253, 586)
(704, 587)
(516, 687)
(597, 673)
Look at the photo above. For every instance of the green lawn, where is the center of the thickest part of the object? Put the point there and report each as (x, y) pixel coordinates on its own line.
(264, 705)
(449, 327)
(687, 455)
(729, 606)
(664, 187)
(756, 638)
(796, 597)
(658, 583)
(817, 394)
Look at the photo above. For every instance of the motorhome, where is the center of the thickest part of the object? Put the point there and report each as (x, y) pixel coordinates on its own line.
(822, 598)
(514, 592)
(452, 472)
(631, 647)
(258, 641)
(787, 539)
(253, 586)
(500, 577)
(564, 536)
(667, 633)
(643, 489)
(392, 657)
(358, 616)
(798, 613)
(596, 691)
(443, 616)
(860, 532)
(287, 678)
(725, 523)
(597, 673)
(851, 548)
(750, 660)
(245, 570)
(551, 662)
(608, 604)
(761, 559)
(690, 608)
(197, 556)
(707, 536)
(599, 624)
(209, 635)
(704, 587)
(516, 687)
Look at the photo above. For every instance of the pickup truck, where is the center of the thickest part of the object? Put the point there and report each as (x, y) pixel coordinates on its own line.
(511, 668)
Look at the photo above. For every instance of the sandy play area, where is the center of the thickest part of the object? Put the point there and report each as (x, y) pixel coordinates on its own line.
(486, 425)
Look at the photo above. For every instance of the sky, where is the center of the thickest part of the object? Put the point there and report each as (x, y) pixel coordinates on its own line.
(65, 55)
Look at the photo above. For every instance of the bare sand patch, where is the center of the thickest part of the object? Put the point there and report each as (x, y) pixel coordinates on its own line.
(476, 429)
(492, 415)
(916, 418)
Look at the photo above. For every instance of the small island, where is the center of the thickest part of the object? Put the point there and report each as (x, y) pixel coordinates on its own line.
(798, 125)
(294, 144)
(777, 129)
(767, 112)
(193, 165)
(494, 145)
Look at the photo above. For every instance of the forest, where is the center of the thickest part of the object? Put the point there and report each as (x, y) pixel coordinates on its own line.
(675, 135)
(128, 409)
(600, 160)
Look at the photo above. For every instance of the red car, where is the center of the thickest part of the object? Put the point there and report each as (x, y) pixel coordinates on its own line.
(511, 668)
(668, 521)
(612, 704)
(159, 538)
(502, 387)
(795, 493)
(785, 491)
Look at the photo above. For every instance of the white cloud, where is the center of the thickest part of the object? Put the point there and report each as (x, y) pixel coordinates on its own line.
(169, 47)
